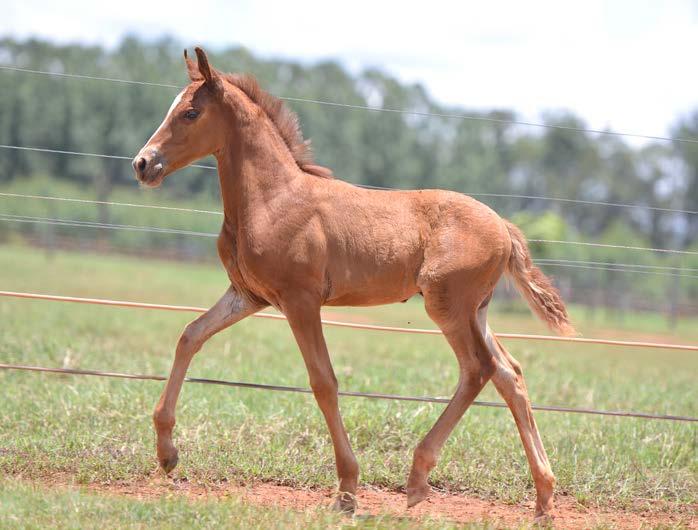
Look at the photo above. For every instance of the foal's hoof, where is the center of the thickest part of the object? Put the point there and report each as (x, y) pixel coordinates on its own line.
(169, 463)
(417, 495)
(345, 503)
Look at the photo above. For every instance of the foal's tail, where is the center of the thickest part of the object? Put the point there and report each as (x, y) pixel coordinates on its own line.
(541, 295)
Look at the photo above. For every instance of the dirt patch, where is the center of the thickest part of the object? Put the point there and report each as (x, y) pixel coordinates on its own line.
(374, 501)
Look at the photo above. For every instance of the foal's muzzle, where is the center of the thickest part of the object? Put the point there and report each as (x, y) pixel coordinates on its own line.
(149, 167)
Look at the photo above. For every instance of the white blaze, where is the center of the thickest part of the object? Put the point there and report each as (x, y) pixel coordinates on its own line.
(172, 107)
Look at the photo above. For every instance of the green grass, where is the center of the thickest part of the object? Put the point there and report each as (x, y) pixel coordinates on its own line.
(100, 430)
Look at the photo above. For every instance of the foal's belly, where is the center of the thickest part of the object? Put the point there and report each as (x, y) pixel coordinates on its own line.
(376, 264)
(367, 286)
(358, 298)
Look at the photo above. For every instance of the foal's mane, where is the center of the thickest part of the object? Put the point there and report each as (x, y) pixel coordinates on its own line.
(284, 119)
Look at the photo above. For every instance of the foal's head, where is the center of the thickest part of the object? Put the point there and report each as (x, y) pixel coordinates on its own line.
(198, 123)
(193, 127)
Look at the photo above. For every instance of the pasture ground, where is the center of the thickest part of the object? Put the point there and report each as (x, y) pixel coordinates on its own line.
(159, 502)
(93, 434)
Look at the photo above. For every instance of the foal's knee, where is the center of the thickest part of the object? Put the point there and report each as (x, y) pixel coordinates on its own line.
(325, 388)
(190, 340)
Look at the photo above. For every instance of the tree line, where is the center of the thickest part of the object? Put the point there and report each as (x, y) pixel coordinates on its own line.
(374, 148)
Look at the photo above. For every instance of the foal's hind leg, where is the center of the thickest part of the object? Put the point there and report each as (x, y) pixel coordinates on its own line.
(509, 381)
(229, 309)
(476, 367)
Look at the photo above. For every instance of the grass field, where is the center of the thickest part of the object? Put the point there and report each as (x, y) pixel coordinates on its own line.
(99, 430)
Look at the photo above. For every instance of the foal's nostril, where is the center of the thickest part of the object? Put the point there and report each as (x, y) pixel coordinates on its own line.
(141, 164)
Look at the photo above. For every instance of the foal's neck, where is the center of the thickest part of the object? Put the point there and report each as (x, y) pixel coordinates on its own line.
(254, 167)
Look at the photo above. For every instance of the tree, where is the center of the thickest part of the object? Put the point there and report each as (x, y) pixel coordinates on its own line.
(687, 127)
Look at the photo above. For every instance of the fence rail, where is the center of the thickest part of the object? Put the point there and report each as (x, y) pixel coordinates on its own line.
(353, 325)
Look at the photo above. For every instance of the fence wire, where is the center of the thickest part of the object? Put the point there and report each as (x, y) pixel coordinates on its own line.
(367, 395)
(587, 264)
(372, 108)
(368, 186)
(578, 264)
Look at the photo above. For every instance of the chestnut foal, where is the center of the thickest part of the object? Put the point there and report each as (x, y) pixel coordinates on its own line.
(295, 238)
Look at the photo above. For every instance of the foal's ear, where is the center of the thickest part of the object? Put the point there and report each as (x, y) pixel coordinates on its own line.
(192, 68)
(210, 75)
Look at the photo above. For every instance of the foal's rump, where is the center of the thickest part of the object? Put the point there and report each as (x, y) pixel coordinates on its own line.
(469, 241)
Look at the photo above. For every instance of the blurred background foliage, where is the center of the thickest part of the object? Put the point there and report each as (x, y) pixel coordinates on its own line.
(381, 149)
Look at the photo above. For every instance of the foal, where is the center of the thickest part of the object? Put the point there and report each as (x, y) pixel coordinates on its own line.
(295, 238)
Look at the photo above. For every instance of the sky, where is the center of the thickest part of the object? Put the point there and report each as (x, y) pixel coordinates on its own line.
(626, 65)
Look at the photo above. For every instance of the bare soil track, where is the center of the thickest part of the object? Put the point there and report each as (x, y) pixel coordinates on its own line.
(568, 513)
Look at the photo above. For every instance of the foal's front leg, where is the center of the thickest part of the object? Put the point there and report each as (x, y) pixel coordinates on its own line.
(230, 309)
(304, 319)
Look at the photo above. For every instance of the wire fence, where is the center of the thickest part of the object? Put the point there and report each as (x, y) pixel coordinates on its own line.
(369, 395)
(609, 245)
(578, 264)
(611, 267)
(370, 108)
(658, 267)
(670, 271)
(109, 203)
(367, 186)
(80, 153)
(95, 224)
(345, 393)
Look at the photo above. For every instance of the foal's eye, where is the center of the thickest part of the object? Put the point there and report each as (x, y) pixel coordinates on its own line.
(191, 114)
